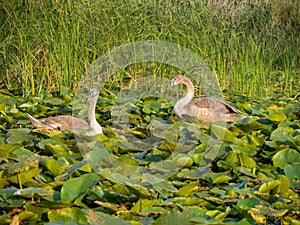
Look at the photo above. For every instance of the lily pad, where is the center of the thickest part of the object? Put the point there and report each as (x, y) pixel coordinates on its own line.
(18, 136)
(74, 188)
(286, 157)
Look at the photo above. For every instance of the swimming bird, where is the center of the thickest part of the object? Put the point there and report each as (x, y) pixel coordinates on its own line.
(206, 109)
(63, 122)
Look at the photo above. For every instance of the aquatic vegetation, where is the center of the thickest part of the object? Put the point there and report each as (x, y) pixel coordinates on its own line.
(149, 171)
(149, 167)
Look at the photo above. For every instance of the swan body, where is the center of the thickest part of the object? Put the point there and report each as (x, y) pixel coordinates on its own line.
(207, 109)
(63, 122)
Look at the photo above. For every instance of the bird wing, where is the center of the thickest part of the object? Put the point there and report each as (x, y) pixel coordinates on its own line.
(65, 122)
(214, 104)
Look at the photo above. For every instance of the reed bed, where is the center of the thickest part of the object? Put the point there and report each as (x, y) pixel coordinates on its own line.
(251, 46)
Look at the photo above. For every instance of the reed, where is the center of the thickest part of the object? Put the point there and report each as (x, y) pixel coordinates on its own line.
(250, 46)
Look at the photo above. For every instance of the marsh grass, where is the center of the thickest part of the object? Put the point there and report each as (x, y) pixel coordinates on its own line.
(251, 46)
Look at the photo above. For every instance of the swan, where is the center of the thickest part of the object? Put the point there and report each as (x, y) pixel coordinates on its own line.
(63, 122)
(206, 109)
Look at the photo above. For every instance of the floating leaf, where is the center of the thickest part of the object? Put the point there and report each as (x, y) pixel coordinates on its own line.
(151, 107)
(277, 117)
(222, 133)
(55, 101)
(266, 187)
(6, 149)
(223, 215)
(247, 161)
(258, 109)
(29, 217)
(183, 218)
(75, 187)
(188, 189)
(221, 179)
(10, 200)
(292, 171)
(97, 217)
(139, 190)
(286, 157)
(69, 216)
(153, 167)
(258, 216)
(22, 151)
(282, 134)
(54, 167)
(143, 203)
(285, 184)
(33, 192)
(248, 203)
(18, 135)
(217, 191)
(53, 146)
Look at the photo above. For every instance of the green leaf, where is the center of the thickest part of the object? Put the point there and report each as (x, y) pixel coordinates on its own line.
(282, 134)
(277, 117)
(18, 135)
(232, 157)
(286, 157)
(183, 218)
(54, 167)
(222, 215)
(258, 215)
(188, 189)
(6, 149)
(128, 161)
(97, 217)
(70, 216)
(55, 101)
(248, 203)
(278, 213)
(143, 203)
(258, 109)
(73, 188)
(285, 184)
(222, 133)
(25, 176)
(266, 187)
(22, 151)
(33, 192)
(29, 217)
(53, 146)
(247, 161)
(221, 179)
(292, 171)
(151, 107)
(9, 199)
(241, 222)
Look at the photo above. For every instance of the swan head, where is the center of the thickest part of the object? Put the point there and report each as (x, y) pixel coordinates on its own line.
(178, 79)
(94, 91)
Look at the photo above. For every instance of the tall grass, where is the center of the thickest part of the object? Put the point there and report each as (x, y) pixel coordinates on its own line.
(251, 46)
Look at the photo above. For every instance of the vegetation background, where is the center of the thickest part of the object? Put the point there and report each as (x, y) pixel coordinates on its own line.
(252, 46)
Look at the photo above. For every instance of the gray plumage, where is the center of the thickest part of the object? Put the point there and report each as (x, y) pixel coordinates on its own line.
(206, 109)
(63, 122)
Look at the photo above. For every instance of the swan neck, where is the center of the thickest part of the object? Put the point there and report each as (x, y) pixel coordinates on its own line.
(181, 103)
(189, 90)
(92, 109)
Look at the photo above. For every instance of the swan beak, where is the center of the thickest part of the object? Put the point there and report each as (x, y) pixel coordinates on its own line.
(88, 97)
(170, 85)
(91, 94)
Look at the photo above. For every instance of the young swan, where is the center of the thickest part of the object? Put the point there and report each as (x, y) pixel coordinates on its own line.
(90, 127)
(207, 109)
